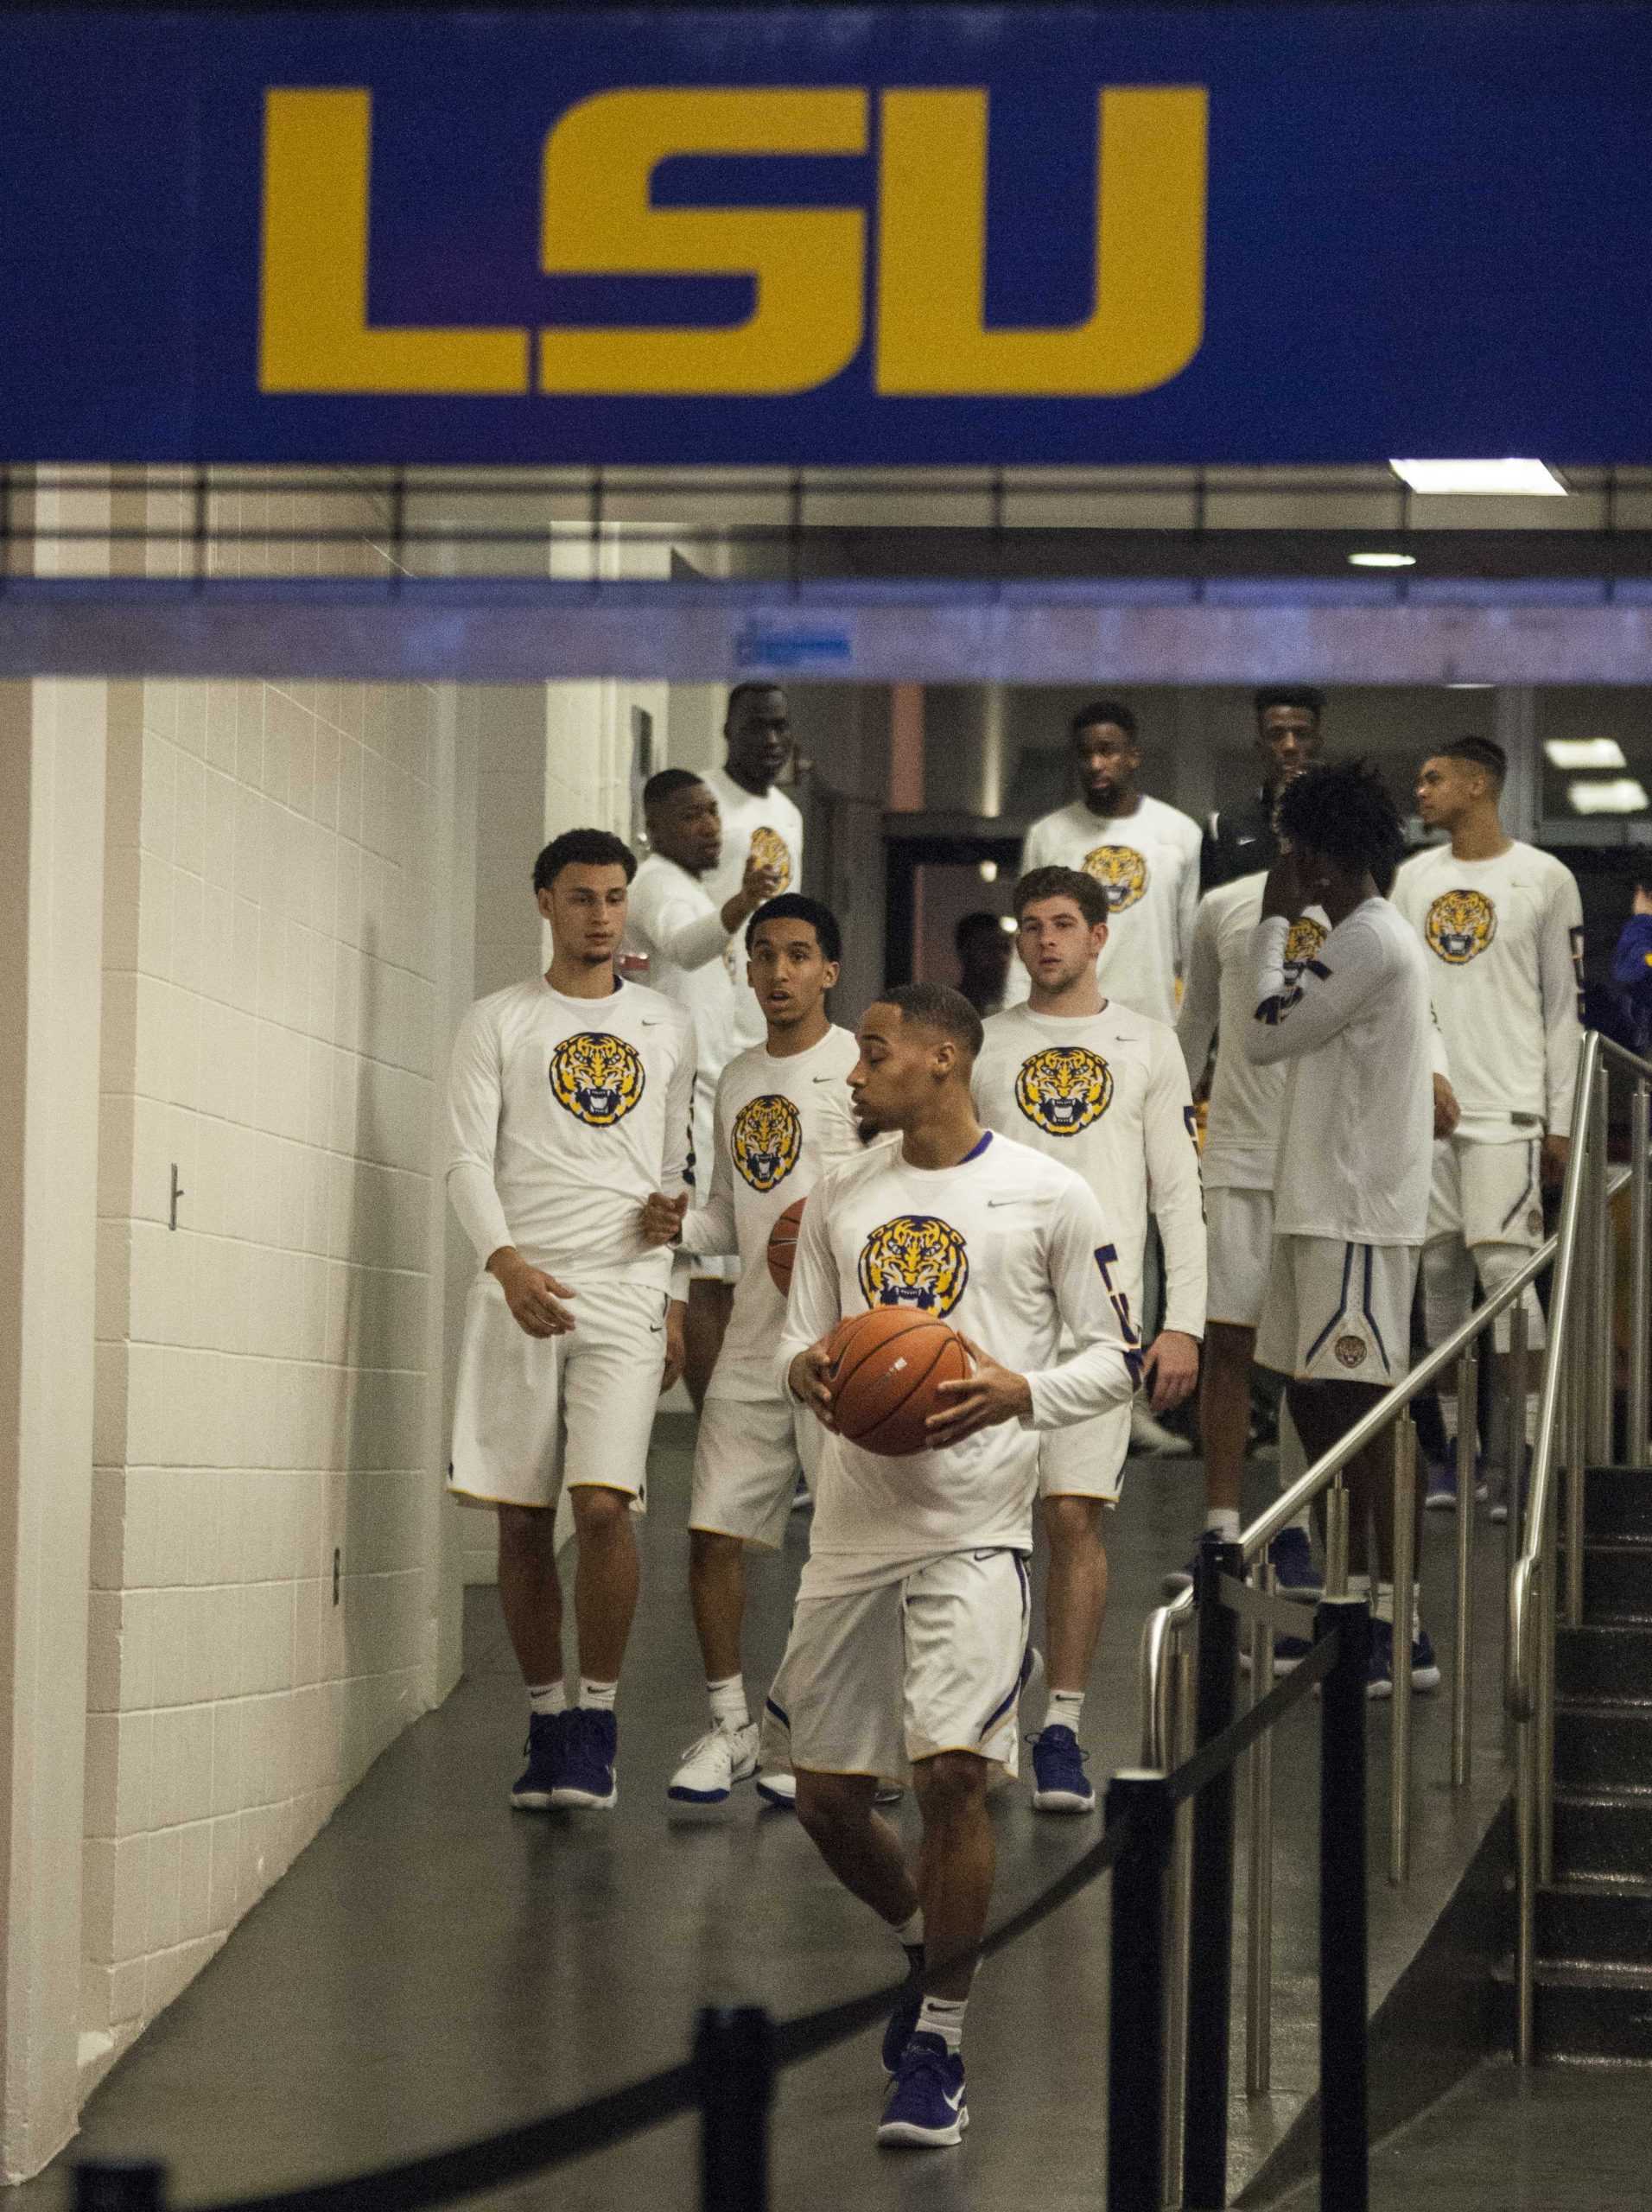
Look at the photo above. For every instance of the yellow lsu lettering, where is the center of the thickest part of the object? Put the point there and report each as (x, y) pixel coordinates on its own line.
(807, 264)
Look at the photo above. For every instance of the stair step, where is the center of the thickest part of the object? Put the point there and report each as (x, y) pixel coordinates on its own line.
(1585, 2010)
(1601, 1834)
(1603, 1743)
(1605, 1658)
(1596, 1922)
(1618, 1501)
(1617, 1577)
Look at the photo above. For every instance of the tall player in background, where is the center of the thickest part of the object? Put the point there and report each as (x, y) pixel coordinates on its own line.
(686, 929)
(910, 1637)
(783, 1120)
(1240, 840)
(1103, 1090)
(570, 1099)
(1350, 1201)
(1502, 926)
(761, 824)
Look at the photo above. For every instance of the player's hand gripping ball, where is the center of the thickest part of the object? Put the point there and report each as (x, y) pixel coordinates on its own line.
(783, 1245)
(887, 1366)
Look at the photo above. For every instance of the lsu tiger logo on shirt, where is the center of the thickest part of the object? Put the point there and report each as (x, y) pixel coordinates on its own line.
(596, 1077)
(766, 1140)
(1063, 1089)
(1122, 872)
(769, 850)
(1303, 944)
(914, 1261)
(1460, 925)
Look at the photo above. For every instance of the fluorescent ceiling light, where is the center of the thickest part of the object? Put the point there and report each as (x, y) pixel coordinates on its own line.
(1479, 687)
(1381, 560)
(1481, 478)
(1623, 795)
(1584, 752)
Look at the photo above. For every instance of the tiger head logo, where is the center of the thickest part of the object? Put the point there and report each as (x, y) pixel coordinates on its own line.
(769, 850)
(596, 1079)
(1350, 1351)
(1307, 935)
(1121, 872)
(1064, 1090)
(1460, 925)
(914, 1261)
(766, 1140)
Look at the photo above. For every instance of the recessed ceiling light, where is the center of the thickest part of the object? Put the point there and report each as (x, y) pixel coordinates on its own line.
(1623, 795)
(1494, 479)
(1381, 560)
(1007, 923)
(989, 869)
(1584, 752)
(1468, 687)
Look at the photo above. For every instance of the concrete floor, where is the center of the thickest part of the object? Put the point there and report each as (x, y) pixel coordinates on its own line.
(434, 1966)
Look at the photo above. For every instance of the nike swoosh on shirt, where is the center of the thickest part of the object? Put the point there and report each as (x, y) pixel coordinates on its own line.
(828, 1078)
(1027, 1200)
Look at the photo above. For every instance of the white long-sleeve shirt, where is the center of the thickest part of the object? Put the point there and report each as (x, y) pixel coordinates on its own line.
(1148, 864)
(1009, 1248)
(1107, 1094)
(774, 824)
(781, 1125)
(564, 1114)
(1241, 1124)
(1504, 946)
(1356, 1131)
(672, 916)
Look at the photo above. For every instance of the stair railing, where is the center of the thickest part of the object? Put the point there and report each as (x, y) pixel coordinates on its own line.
(1165, 1675)
(1575, 1429)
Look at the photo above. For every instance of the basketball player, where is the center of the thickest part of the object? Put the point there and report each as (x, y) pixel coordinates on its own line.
(783, 1120)
(1350, 1201)
(761, 822)
(686, 931)
(1502, 925)
(570, 1098)
(910, 1638)
(1103, 1090)
(1144, 855)
(1240, 839)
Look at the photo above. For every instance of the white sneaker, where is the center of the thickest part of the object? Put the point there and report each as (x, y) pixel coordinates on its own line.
(775, 1786)
(1149, 1439)
(714, 1764)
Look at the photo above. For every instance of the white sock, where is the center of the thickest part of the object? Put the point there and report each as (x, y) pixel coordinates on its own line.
(1359, 1585)
(943, 2016)
(1383, 1606)
(911, 1936)
(599, 1695)
(545, 1697)
(1065, 1709)
(1224, 1519)
(728, 1703)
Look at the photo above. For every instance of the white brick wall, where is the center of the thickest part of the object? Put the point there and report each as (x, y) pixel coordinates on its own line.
(262, 1392)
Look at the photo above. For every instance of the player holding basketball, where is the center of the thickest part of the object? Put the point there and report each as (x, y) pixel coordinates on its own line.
(910, 1638)
(570, 1098)
(1503, 923)
(1104, 1090)
(1356, 1127)
(783, 1119)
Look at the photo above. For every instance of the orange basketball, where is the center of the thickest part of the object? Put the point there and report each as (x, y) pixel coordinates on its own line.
(887, 1366)
(783, 1245)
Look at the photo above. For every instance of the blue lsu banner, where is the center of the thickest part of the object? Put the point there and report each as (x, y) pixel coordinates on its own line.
(879, 235)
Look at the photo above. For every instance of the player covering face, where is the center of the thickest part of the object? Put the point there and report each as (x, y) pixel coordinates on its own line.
(910, 1638)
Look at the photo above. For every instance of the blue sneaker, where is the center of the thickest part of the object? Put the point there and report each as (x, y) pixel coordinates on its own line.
(897, 2032)
(585, 1779)
(1379, 1666)
(534, 1790)
(1059, 1782)
(1440, 1496)
(1291, 1557)
(1425, 1667)
(925, 2102)
(1290, 1651)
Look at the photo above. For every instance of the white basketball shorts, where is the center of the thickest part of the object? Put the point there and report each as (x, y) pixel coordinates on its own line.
(1086, 1460)
(745, 1462)
(1487, 1193)
(531, 1413)
(1337, 1312)
(930, 1663)
(1239, 1240)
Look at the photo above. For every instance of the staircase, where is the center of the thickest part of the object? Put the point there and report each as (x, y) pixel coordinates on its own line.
(1594, 1920)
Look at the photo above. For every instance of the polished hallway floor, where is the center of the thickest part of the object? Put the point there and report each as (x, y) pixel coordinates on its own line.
(435, 1965)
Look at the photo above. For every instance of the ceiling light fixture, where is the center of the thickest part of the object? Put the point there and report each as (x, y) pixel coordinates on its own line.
(1381, 560)
(1623, 795)
(1584, 752)
(1468, 687)
(1481, 480)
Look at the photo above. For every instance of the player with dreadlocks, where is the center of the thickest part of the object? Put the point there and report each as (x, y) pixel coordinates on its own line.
(1356, 1142)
